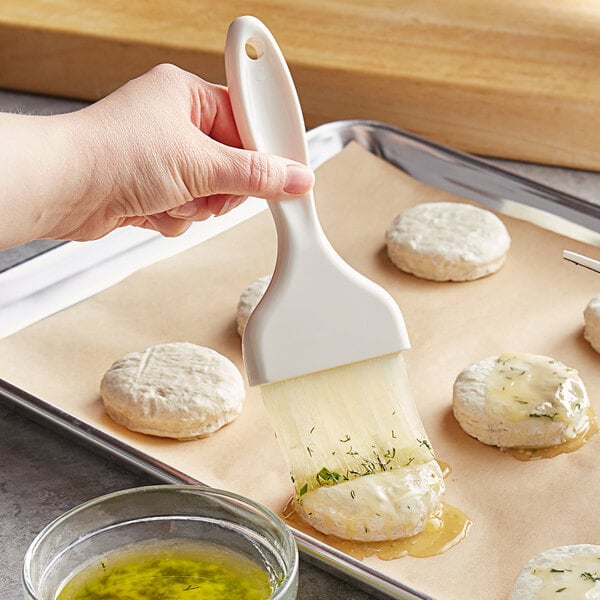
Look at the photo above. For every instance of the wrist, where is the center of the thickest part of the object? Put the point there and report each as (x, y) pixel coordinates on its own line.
(44, 176)
(72, 193)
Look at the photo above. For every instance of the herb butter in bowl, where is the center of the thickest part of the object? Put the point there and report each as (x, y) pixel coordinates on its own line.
(171, 541)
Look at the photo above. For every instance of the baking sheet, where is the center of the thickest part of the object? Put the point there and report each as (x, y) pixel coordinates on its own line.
(533, 304)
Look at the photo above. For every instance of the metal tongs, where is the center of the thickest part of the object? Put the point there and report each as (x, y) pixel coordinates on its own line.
(582, 261)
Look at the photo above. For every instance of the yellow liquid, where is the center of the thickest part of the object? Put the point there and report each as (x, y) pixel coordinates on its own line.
(170, 570)
(551, 451)
(444, 529)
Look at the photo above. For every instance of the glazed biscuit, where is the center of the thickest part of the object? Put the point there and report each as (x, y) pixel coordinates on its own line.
(354, 509)
(566, 572)
(519, 400)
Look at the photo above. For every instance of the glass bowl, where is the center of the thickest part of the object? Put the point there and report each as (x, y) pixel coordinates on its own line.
(169, 513)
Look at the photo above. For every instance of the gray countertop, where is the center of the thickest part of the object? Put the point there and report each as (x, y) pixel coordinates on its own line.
(42, 474)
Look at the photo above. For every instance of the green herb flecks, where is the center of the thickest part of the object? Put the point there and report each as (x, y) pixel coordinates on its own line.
(327, 477)
(543, 415)
(425, 443)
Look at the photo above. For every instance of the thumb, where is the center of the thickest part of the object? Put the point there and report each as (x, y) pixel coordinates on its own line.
(250, 173)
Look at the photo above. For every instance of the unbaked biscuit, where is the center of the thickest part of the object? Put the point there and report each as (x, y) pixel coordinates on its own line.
(177, 390)
(249, 299)
(447, 241)
(519, 400)
(376, 507)
(567, 572)
(591, 317)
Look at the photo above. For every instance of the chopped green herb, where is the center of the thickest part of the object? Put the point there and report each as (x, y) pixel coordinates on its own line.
(540, 415)
(389, 454)
(327, 477)
(303, 490)
(424, 443)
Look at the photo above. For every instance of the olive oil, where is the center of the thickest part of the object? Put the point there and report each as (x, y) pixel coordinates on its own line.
(162, 570)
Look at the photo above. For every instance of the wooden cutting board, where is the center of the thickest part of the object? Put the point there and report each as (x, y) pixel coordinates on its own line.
(502, 78)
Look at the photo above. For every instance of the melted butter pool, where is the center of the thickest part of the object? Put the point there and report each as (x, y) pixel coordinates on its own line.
(157, 570)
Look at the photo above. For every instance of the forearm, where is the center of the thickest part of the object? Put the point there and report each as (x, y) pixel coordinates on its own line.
(43, 175)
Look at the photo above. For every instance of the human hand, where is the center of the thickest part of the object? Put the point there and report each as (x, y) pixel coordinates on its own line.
(169, 149)
(159, 152)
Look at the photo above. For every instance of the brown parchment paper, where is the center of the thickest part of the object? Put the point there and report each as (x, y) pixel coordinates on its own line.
(534, 304)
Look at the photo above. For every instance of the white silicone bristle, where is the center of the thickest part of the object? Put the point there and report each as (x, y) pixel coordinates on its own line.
(347, 422)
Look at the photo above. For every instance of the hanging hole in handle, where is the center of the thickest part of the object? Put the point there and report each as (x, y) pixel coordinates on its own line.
(254, 49)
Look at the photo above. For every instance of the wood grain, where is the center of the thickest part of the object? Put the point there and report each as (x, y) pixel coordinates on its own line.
(503, 78)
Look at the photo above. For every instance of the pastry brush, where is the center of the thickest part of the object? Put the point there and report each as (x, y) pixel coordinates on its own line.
(324, 344)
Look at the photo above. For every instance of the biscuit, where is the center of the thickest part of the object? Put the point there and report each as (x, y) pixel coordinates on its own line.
(249, 299)
(447, 241)
(591, 317)
(520, 400)
(377, 507)
(177, 390)
(561, 572)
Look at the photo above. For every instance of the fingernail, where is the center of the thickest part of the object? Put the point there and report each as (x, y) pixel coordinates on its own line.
(185, 211)
(298, 179)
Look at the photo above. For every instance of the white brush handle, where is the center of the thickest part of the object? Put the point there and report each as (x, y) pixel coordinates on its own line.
(269, 118)
(317, 313)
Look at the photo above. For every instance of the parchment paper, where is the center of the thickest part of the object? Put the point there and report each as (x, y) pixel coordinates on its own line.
(534, 304)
